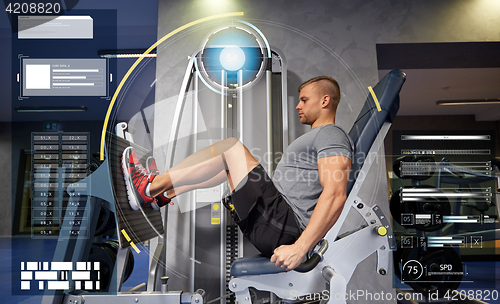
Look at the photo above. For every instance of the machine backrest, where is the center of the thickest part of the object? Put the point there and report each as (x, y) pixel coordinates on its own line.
(370, 120)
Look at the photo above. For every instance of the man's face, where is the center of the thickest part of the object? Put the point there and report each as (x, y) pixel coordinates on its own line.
(309, 105)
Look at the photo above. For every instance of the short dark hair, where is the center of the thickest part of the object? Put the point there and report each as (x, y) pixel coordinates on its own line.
(329, 86)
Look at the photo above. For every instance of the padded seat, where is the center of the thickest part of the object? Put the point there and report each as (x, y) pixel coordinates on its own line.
(253, 265)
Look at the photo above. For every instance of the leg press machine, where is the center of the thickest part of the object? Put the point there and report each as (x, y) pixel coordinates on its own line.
(330, 267)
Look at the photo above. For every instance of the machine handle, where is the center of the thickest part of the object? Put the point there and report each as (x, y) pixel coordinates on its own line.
(314, 259)
(309, 264)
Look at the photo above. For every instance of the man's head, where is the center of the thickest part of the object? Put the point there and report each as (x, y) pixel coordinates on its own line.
(318, 101)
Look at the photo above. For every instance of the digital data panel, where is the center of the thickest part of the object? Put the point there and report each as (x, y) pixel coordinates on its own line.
(49, 27)
(64, 77)
(59, 161)
(444, 208)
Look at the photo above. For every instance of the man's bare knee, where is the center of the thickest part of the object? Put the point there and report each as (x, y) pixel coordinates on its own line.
(231, 141)
(226, 144)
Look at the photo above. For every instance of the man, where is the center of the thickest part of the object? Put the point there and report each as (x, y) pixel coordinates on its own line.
(286, 217)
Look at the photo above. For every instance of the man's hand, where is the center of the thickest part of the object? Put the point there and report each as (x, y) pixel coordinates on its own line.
(288, 257)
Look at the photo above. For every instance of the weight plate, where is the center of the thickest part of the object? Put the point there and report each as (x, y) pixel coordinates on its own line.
(100, 253)
(105, 222)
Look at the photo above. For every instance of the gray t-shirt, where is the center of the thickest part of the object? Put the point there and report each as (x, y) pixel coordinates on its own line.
(297, 175)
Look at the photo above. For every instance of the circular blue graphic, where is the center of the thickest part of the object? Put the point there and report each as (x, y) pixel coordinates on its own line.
(233, 56)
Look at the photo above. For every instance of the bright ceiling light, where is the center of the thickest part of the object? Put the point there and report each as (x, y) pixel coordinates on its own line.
(463, 102)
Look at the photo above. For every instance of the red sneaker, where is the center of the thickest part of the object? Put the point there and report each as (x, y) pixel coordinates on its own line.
(161, 199)
(151, 166)
(136, 179)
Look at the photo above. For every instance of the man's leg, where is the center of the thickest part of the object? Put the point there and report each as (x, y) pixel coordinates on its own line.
(228, 160)
(214, 181)
(165, 197)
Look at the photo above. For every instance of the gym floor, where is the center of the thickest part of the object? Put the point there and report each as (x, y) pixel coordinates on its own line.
(18, 249)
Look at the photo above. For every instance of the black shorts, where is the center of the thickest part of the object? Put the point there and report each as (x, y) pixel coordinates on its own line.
(262, 213)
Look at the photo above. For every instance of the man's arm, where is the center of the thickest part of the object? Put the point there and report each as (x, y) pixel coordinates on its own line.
(333, 176)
